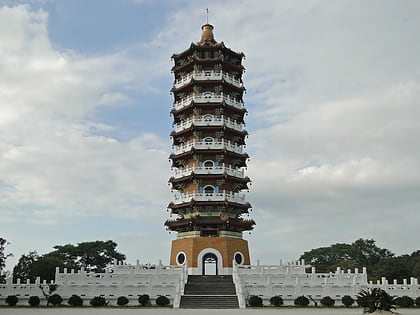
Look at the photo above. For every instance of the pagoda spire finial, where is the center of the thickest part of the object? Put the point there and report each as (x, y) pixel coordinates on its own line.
(207, 36)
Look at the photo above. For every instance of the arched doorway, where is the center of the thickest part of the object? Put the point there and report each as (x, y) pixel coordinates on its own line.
(210, 265)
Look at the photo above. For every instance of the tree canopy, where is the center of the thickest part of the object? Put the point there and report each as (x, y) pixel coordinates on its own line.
(3, 257)
(94, 256)
(380, 262)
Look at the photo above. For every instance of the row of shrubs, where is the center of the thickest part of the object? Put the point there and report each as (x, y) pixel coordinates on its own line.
(347, 300)
(75, 300)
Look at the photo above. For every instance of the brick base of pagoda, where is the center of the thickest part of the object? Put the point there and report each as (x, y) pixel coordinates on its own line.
(194, 250)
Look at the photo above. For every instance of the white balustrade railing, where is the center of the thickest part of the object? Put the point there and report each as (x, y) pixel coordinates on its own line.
(213, 145)
(220, 196)
(239, 287)
(212, 170)
(207, 75)
(206, 121)
(208, 98)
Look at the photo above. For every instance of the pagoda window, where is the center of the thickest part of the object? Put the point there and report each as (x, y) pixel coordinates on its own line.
(208, 140)
(209, 164)
(209, 189)
(207, 73)
(208, 117)
(207, 94)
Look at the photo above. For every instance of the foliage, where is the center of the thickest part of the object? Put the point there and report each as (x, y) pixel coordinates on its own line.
(122, 300)
(301, 301)
(417, 301)
(276, 300)
(255, 301)
(347, 300)
(399, 268)
(55, 299)
(12, 300)
(376, 299)
(162, 301)
(92, 255)
(144, 299)
(34, 301)
(405, 301)
(327, 301)
(3, 257)
(75, 300)
(361, 253)
(98, 301)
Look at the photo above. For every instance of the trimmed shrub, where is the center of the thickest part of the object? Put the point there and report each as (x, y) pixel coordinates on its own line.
(144, 299)
(405, 301)
(98, 301)
(417, 301)
(34, 301)
(75, 300)
(347, 300)
(122, 300)
(162, 301)
(55, 299)
(301, 301)
(255, 301)
(327, 301)
(12, 300)
(276, 300)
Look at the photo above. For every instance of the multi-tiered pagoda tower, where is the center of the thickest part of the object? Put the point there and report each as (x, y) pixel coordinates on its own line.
(208, 158)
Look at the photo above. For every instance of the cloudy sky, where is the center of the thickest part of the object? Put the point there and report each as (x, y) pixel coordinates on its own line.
(333, 91)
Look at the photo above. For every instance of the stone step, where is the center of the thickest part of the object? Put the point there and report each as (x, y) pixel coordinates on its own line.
(209, 302)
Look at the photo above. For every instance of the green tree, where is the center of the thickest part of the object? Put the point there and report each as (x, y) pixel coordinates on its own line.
(3, 257)
(93, 255)
(326, 259)
(370, 253)
(361, 253)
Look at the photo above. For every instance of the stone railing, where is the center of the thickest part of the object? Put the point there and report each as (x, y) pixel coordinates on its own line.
(206, 121)
(212, 170)
(208, 98)
(221, 196)
(239, 288)
(209, 145)
(207, 76)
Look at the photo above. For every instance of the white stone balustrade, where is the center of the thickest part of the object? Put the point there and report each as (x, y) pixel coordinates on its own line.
(212, 170)
(206, 121)
(221, 196)
(208, 98)
(207, 75)
(213, 145)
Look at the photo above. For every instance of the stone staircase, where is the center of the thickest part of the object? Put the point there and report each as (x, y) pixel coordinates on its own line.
(207, 292)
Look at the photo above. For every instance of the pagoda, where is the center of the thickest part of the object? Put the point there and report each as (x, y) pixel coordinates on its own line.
(209, 213)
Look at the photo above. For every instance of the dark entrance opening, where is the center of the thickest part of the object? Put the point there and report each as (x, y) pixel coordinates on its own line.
(210, 265)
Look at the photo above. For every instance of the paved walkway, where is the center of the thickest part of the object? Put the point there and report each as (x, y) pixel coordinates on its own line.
(139, 311)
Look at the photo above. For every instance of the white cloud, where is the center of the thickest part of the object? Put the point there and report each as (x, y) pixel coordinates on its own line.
(54, 160)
